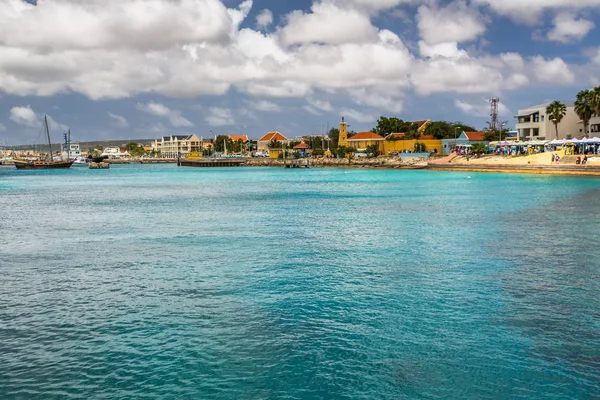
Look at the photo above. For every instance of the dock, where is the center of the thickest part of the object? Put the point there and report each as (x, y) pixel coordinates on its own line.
(212, 163)
(296, 163)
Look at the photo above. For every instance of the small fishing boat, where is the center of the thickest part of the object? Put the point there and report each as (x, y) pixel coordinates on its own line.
(49, 163)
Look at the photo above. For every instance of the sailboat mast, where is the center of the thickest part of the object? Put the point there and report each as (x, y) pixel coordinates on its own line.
(48, 135)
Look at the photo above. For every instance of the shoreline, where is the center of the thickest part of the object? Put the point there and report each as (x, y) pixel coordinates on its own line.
(386, 163)
(566, 169)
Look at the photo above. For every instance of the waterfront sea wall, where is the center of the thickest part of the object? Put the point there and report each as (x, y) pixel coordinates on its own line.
(344, 162)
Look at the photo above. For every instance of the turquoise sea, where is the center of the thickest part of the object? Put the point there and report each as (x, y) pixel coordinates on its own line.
(159, 282)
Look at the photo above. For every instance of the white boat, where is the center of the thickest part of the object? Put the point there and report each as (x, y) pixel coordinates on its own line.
(80, 161)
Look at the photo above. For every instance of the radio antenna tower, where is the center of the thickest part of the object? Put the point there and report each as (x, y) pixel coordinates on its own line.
(494, 102)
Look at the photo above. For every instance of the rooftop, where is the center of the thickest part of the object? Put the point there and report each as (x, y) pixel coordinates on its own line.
(272, 136)
(366, 136)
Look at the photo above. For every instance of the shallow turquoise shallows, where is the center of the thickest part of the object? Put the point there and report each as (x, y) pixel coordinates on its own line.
(159, 282)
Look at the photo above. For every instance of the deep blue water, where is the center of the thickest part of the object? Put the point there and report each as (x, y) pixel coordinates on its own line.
(153, 282)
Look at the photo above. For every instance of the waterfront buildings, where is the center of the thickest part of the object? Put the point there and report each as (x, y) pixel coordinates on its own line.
(393, 143)
(177, 145)
(115, 152)
(263, 142)
(465, 138)
(534, 124)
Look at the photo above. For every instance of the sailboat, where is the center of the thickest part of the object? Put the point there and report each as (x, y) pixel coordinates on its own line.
(49, 163)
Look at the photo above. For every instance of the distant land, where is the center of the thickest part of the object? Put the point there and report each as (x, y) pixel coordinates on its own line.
(84, 145)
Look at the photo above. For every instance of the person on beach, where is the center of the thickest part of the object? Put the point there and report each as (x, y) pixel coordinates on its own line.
(557, 158)
(553, 155)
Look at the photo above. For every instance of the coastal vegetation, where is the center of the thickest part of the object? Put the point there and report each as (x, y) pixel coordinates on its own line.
(585, 107)
(556, 112)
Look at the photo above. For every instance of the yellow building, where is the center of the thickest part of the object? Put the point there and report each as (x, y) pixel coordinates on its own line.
(343, 137)
(395, 142)
(362, 140)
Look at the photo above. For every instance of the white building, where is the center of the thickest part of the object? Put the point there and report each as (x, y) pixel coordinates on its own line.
(115, 152)
(594, 126)
(177, 145)
(534, 124)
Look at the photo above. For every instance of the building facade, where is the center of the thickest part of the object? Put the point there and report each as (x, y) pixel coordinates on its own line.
(177, 145)
(534, 124)
(263, 142)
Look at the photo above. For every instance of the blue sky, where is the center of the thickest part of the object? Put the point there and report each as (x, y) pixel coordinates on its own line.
(109, 69)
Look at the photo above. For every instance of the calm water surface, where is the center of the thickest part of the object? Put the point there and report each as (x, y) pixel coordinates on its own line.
(150, 282)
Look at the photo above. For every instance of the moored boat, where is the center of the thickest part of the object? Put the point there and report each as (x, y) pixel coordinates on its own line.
(50, 163)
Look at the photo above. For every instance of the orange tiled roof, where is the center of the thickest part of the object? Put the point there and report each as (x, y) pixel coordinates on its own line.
(475, 136)
(273, 136)
(426, 137)
(366, 136)
(301, 146)
(420, 123)
(235, 138)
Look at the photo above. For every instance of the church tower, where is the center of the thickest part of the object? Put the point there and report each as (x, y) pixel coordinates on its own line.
(343, 138)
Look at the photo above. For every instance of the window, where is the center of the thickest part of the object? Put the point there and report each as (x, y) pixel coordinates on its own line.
(536, 117)
(542, 118)
(536, 131)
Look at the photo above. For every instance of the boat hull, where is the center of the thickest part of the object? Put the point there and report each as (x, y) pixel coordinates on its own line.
(43, 164)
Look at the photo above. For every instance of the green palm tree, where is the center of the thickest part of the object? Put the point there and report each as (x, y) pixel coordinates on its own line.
(584, 108)
(556, 112)
(596, 100)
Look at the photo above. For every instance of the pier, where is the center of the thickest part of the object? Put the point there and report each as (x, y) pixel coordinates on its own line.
(212, 163)
(296, 163)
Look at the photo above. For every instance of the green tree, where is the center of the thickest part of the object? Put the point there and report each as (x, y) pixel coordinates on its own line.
(447, 130)
(220, 142)
(556, 112)
(584, 108)
(596, 100)
(334, 135)
(386, 125)
(372, 150)
(420, 147)
(274, 144)
(479, 148)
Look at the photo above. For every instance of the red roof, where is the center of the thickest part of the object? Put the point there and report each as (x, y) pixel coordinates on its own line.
(235, 138)
(273, 136)
(426, 137)
(475, 136)
(366, 136)
(301, 146)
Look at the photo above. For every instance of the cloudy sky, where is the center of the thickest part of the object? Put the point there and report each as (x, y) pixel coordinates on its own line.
(144, 68)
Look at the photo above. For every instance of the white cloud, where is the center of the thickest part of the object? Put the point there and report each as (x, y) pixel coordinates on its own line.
(360, 116)
(102, 24)
(53, 124)
(118, 120)
(481, 108)
(384, 99)
(328, 24)
(322, 105)
(447, 50)
(264, 19)
(263, 105)
(569, 28)
(219, 117)
(595, 56)
(312, 110)
(160, 110)
(554, 71)
(528, 11)
(24, 116)
(456, 22)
